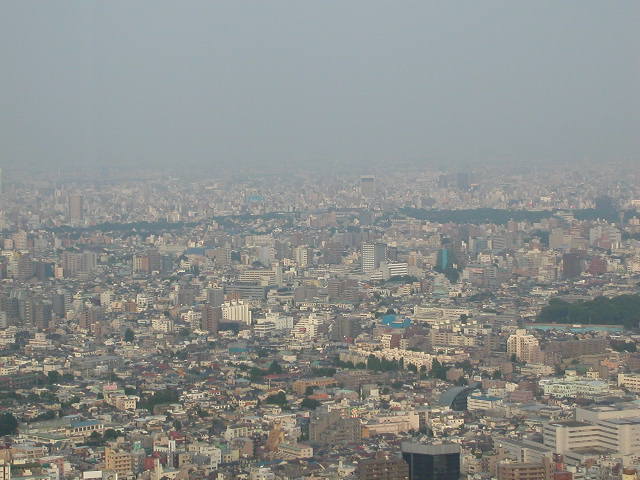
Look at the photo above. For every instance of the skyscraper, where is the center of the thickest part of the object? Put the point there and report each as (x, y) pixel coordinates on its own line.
(367, 185)
(215, 296)
(75, 209)
(432, 462)
(372, 255)
(211, 317)
(571, 265)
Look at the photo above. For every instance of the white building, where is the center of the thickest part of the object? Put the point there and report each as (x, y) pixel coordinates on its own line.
(615, 429)
(236, 311)
(574, 387)
(478, 401)
(630, 381)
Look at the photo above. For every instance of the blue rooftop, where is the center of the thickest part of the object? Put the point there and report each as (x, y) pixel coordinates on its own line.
(395, 321)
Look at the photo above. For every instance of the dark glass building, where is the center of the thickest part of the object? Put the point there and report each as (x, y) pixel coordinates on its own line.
(432, 462)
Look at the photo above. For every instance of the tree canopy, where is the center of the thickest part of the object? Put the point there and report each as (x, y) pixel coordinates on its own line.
(8, 424)
(621, 310)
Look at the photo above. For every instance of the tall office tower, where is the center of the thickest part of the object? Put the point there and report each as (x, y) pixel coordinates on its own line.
(382, 467)
(215, 296)
(210, 319)
(372, 255)
(463, 181)
(346, 328)
(571, 265)
(42, 315)
(303, 255)
(23, 268)
(75, 209)
(432, 462)
(367, 185)
(58, 305)
(11, 307)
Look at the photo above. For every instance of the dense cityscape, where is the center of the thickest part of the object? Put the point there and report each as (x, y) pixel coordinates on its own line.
(476, 323)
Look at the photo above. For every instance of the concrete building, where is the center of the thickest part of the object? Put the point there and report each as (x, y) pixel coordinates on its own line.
(524, 471)
(372, 255)
(525, 347)
(333, 428)
(383, 467)
(236, 311)
(630, 381)
(118, 461)
(607, 429)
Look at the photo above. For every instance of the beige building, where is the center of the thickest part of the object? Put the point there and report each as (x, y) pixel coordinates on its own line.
(630, 381)
(525, 347)
(118, 461)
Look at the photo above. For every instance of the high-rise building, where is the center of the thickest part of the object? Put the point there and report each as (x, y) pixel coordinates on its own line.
(42, 315)
(345, 328)
(236, 311)
(367, 185)
(76, 213)
(150, 262)
(118, 461)
(372, 255)
(75, 263)
(210, 319)
(5, 470)
(303, 255)
(215, 296)
(525, 347)
(333, 427)
(58, 305)
(571, 265)
(432, 462)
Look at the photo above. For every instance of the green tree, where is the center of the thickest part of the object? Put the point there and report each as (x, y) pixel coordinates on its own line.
(110, 434)
(129, 336)
(438, 370)
(53, 377)
(310, 404)
(279, 398)
(8, 424)
(274, 368)
(95, 439)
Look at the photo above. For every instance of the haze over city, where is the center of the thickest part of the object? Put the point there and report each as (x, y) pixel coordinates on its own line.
(290, 84)
(293, 240)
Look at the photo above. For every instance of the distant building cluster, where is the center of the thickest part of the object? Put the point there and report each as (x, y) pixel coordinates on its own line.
(425, 325)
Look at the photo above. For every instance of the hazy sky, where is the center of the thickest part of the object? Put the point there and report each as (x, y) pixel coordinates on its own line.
(266, 82)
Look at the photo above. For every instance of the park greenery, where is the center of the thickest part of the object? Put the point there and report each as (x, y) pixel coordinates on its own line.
(478, 216)
(161, 397)
(621, 310)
